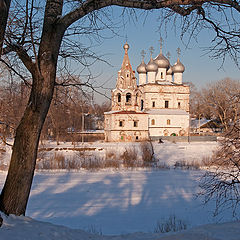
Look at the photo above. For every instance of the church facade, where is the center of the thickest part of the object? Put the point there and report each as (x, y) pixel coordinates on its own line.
(157, 106)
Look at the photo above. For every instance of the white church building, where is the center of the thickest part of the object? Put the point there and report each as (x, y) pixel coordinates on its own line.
(157, 106)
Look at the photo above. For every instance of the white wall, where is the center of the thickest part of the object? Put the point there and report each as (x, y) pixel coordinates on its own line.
(177, 123)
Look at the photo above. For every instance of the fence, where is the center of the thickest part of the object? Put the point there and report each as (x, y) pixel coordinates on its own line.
(186, 138)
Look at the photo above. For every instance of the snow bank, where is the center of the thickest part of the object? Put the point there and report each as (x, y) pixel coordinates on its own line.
(18, 228)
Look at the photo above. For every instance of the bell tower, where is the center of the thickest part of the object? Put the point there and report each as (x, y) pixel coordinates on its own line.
(126, 76)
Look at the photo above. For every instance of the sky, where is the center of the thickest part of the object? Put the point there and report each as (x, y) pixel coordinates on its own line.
(200, 69)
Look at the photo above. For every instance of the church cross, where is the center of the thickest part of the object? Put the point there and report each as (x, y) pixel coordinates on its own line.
(178, 52)
(143, 53)
(151, 49)
(161, 44)
(168, 55)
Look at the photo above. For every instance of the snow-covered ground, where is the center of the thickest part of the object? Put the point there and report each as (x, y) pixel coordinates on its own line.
(166, 152)
(120, 202)
(19, 228)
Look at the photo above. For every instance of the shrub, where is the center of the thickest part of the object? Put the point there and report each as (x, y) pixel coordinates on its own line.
(187, 165)
(110, 154)
(172, 224)
(161, 165)
(54, 162)
(129, 157)
(112, 163)
(73, 163)
(94, 230)
(147, 153)
(59, 160)
(92, 163)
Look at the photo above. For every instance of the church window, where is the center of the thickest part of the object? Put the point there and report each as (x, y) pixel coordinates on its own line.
(120, 123)
(153, 104)
(119, 97)
(166, 104)
(168, 122)
(142, 105)
(135, 123)
(153, 122)
(128, 97)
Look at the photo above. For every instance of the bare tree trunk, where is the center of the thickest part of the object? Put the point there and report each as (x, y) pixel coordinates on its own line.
(16, 190)
(4, 9)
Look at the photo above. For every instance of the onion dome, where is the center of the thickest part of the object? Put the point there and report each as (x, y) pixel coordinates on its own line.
(161, 61)
(151, 66)
(126, 46)
(178, 67)
(169, 70)
(142, 67)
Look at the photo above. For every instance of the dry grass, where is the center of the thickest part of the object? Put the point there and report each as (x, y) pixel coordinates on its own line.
(110, 154)
(129, 158)
(114, 163)
(172, 224)
(207, 161)
(193, 165)
(147, 154)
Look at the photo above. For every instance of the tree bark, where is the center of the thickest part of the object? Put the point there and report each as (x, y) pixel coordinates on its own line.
(17, 186)
(4, 9)
(16, 190)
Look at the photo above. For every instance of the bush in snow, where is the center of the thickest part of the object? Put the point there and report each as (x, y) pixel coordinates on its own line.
(187, 165)
(129, 157)
(172, 224)
(94, 230)
(147, 153)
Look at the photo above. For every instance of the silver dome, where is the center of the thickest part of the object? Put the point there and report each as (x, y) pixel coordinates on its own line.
(142, 68)
(178, 67)
(151, 66)
(161, 61)
(170, 70)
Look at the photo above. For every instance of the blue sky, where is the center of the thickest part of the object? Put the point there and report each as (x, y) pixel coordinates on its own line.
(200, 68)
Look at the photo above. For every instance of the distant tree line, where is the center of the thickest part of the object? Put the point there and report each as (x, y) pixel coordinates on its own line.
(65, 117)
(218, 101)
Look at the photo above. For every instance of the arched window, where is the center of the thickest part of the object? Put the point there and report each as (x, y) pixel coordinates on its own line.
(153, 122)
(128, 97)
(168, 122)
(161, 75)
(119, 97)
(136, 97)
(142, 104)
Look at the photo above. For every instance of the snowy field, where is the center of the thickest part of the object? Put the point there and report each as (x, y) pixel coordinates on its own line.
(120, 201)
